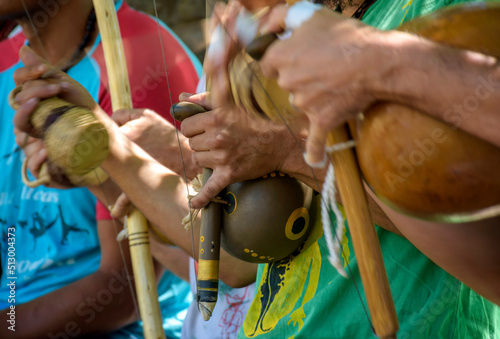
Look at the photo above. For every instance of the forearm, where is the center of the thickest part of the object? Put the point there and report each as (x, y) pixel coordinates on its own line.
(154, 189)
(98, 303)
(460, 87)
(161, 196)
(172, 258)
(468, 251)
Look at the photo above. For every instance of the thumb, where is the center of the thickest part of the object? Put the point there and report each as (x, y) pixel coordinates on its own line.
(29, 57)
(274, 22)
(122, 207)
(202, 99)
(315, 146)
(122, 116)
(214, 185)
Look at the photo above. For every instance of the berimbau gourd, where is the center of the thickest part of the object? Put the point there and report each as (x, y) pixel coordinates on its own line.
(418, 165)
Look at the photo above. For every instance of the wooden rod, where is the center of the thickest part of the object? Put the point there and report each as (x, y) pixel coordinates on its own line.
(119, 87)
(207, 284)
(364, 238)
(208, 255)
(144, 275)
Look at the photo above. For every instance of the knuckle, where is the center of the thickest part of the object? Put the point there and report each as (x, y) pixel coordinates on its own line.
(184, 129)
(224, 158)
(194, 159)
(211, 120)
(219, 141)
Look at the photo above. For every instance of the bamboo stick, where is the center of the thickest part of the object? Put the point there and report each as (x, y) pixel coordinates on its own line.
(119, 87)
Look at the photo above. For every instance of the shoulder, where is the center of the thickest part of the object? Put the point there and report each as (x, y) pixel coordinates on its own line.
(10, 50)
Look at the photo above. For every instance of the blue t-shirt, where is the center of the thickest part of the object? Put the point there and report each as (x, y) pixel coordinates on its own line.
(56, 240)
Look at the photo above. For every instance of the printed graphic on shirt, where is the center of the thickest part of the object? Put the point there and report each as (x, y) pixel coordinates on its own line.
(232, 318)
(272, 302)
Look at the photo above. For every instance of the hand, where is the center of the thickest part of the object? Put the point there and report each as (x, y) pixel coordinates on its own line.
(35, 88)
(159, 138)
(122, 207)
(36, 155)
(234, 145)
(332, 66)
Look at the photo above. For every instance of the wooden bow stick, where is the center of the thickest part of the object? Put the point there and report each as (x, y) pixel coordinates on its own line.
(119, 86)
(364, 238)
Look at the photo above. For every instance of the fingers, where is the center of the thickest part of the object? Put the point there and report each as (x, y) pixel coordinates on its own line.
(122, 116)
(34, 67)
(29, 57)
(122, 207)
(216, 159)
(195, 124)
(202, 99)
(221, 91)
(35, 152)
(316, 141)
(40, 89)
(22, 118)
(222, 38)
(23, 74)
(214, 185)
(37, 158)
(274, 22)
(217, 14)
(202, 142)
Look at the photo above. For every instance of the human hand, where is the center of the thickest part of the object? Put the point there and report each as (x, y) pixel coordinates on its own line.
(35, 157)
(39, 80)
(331, 65)
(159, 138)
(236, 146)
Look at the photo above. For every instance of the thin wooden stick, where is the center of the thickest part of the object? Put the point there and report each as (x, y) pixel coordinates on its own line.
(119, 86)
(364, 238)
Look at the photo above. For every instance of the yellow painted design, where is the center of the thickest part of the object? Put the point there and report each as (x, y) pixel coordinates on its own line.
(299, 279)
(298, 213)
(208, 269)
(408, 4)
(208, 289)
(247, 250)
(202, 251)
(202, 239)
(255, 255)
(262, 257)
(297, 317)
(235, 203)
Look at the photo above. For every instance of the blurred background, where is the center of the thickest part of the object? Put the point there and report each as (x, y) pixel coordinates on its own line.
(187, 18)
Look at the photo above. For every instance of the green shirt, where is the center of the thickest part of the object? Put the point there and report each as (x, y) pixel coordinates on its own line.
(389, 14)
(304, 297)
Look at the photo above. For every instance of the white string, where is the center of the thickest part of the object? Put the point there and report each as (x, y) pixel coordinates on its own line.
(340, 146)
(196, 185)
(124, 232)
(328, 199)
